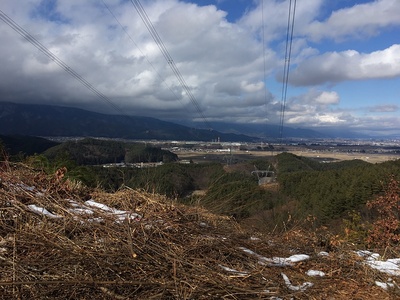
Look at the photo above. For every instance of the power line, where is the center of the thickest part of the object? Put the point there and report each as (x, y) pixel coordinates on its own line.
(27, 36)
(288, 51)
(141, 52)
(150, 27)
(264, 60)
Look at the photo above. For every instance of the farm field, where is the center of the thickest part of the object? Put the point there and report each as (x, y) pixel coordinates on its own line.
(206, 156)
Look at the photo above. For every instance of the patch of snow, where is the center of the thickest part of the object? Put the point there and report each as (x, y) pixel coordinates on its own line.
(42, 211)
(298, 257)
(89, 209)
(120, 214)
(81, 211)
(390, 266)
(384, 285)
(323, 253)
(368, 255)
(385, 267)
(248, 251)
(235, 272)
(88, 206)
(277, 261)
(387, 285)
(314, 273)
(74, 203)
(394, 260)
(22, 186)
(291, 287)
(103, 207)
(26, 187)
(95, 220)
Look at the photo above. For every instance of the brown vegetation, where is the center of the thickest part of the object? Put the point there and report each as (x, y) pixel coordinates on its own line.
(386, 228)
(167, 251)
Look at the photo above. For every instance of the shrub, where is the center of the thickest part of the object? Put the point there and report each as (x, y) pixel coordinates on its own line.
(386, 228)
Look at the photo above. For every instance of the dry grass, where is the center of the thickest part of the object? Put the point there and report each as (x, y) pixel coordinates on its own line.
(171, 252)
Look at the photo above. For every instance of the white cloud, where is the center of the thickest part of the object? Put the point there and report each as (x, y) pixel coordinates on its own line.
(333, 67)
(384, 108)
(251, 87)
(328, 98)
(276, 15)
(221, 62)
(360, 20)
(212, 55)
(317, 120)
(329, 119)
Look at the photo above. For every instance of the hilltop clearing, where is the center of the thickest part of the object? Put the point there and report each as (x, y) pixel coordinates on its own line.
(60, 240)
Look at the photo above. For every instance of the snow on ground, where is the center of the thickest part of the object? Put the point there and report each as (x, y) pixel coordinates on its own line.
(234, 272)
(90, 207)
(42, 211)
(292, 287)
(387, 285)
(315, 273)
(277, 261)
(389, 266)
(373, 260)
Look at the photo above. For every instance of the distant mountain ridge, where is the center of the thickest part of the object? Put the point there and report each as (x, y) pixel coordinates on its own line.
(268, 130)
(272, 131)
(47, 120)
(59, 121)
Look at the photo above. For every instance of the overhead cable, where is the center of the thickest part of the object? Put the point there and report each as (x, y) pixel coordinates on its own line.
(264, 60)
(153, 32)
(286, 68)
(141, 52)
(27, 36)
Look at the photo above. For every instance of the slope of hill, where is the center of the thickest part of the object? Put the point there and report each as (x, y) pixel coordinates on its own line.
(59, 240)
(45, 120)
(330, 191)
(27, 145)
(90, 151)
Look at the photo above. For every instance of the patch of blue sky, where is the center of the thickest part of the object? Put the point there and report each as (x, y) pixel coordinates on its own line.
(362, 45)
(47, 10)
(330, 6)
(234, 8)
(367, 92)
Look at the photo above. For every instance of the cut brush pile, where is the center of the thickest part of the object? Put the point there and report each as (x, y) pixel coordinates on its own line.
(59, 240)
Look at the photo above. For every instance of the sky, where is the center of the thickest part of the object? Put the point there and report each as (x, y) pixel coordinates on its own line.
(344, 67)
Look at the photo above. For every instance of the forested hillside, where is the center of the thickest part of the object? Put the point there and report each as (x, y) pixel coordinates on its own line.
(328, 190)
(25, 145)
(96, 151)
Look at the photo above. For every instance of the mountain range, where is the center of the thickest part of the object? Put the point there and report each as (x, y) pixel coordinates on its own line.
(58, 121)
